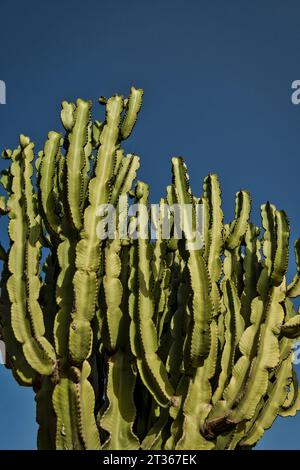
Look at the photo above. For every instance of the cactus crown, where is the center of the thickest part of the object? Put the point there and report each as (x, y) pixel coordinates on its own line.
(130, 342)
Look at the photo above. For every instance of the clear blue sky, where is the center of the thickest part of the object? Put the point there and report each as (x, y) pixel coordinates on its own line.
(217, 77)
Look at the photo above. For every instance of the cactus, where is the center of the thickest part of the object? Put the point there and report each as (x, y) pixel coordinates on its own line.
(140, 342)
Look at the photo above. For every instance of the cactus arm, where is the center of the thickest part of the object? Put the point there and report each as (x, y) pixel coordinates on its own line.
(64, 296)
(270, 410)
(267, 357)
(197, 403)
(39, 350)
(22, 371)
(159, 250)
(165, 267)
(240, 372)
(78, 138)
(88, 249)
(60, 197)
(111, 282)
(23, 257)
(239, 226)
(124, 177)
(233, 267)
(262, 323)
(133, 298)
(67, 115)
(88, 157)
(113, 291)
(151, 368)
(133, 107)
(164, 304)
(212, 193)
(16, 259)
(85, 410)
(181, 184)
(33, 249)
(160, 270)
(251, 272)
(182, 195)
(293, 289)
(199, 276)
(119, 416)
(74, 402)
(96, 131)
(268, 222)
(112, 285)
(268, 247)
(119, 157)
(39, 354)
(275, 248)
(87, 258)
(282, 247)
(46, 176)
(234, 327)
(65, 406)
(201, 309)
(206, 225)
(171, 196)
(60, 177)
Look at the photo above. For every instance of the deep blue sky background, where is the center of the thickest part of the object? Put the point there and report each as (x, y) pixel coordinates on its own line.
(217, 77)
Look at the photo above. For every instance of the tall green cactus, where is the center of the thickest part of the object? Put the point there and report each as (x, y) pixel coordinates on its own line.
(133, 342)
